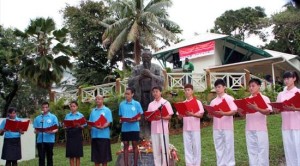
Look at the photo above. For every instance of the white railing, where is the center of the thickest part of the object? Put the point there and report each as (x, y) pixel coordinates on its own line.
(177, 80)
(89, 93)
(68, 95)
(233, 81)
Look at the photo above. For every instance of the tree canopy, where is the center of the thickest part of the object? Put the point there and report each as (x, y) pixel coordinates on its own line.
(47, 55)
(241, 23)
(91, 65)
(134, 21)
(286, 31)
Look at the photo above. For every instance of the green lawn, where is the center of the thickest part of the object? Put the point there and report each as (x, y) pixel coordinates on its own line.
(208, 152)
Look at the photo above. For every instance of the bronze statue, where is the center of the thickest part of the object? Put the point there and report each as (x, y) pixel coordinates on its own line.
(143, 78)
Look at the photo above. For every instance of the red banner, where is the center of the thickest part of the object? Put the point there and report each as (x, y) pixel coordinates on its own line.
(197, 50)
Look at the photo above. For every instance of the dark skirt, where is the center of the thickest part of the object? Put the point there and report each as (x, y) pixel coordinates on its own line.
(130, 136)
(74, 145)
(101, 151)
(11, 149)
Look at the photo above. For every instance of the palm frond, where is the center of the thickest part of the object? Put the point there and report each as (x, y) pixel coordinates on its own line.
(163, 31)
(134, 32)
(157, 8)
(118, 43)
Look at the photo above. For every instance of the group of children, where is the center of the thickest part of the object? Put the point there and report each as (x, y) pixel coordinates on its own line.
(223, 129)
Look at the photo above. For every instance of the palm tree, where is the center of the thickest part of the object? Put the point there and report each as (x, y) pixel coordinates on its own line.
(48, 57)
(135, 22)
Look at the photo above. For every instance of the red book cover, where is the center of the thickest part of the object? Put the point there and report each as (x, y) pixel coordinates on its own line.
(192, 105)
(16, 126)
(155, 115)
(242, 104)
(74, 123)
(277, 105)
(54, 127)
(294, 101)
(258, 100)
(130, 119)
(223, 106)
(181, 108)
(212, 111)
(189, 106)
(100, 122)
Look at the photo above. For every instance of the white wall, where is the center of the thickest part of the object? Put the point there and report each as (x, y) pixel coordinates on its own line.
(27, 144)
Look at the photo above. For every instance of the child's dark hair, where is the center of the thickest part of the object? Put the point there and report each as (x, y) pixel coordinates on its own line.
(11, 110)
(189, 86)
(291, 74)
(130, 89)
(157, 88)
(219, 82)
(74, 102)
(45, 103)
(255, 80)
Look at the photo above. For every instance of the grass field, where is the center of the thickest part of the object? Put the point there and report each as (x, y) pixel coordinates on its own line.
(208, 151)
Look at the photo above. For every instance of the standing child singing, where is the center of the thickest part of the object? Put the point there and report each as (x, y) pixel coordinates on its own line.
(74, 144)
(290, 120)
(223, 127)
(11, 151)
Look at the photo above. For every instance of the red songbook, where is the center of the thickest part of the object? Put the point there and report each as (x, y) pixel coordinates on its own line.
(294, 101)
(130, 119)
(258, 100)
(100, 122)
(74, 123)
(155, 115)
(278, 105)
(222, 106)
(54, 127)
(242, 104)
(16, 126)
(184, 107)
(212, 111)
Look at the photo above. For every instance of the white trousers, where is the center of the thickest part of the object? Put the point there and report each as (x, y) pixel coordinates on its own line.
(258, 148)
(291, 144)
(192, 148)
(224, 145)
(158, 148)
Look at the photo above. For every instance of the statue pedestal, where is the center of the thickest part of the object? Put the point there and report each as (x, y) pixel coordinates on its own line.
(144, 159)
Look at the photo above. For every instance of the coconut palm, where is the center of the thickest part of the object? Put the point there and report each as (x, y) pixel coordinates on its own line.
(135, 22)
(48, 57)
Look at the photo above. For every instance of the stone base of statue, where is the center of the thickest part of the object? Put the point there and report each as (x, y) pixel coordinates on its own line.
(144, 159)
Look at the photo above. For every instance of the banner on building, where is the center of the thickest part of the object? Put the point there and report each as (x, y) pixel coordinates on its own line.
(197, 50)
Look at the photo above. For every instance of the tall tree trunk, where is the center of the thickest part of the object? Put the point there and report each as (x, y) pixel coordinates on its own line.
(8, 99)
(137, 52)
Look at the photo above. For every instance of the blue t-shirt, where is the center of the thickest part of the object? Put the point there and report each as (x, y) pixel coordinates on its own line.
(9, 134)
(45, 121)
(76, 116)
(94, 116)
(129, 110)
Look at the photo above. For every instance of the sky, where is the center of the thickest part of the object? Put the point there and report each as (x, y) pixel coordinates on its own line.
(193, 16)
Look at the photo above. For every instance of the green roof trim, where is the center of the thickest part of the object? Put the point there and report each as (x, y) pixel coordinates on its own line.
(246, 46)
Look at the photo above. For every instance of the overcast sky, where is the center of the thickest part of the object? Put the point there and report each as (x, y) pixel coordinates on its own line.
(193, 16)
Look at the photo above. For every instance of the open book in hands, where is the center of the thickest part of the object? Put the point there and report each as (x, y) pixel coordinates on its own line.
(184, 107)
(74, 123)
(16, 126)
(213, 110)
(155, 115)
(100, 122)
(122, 119)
